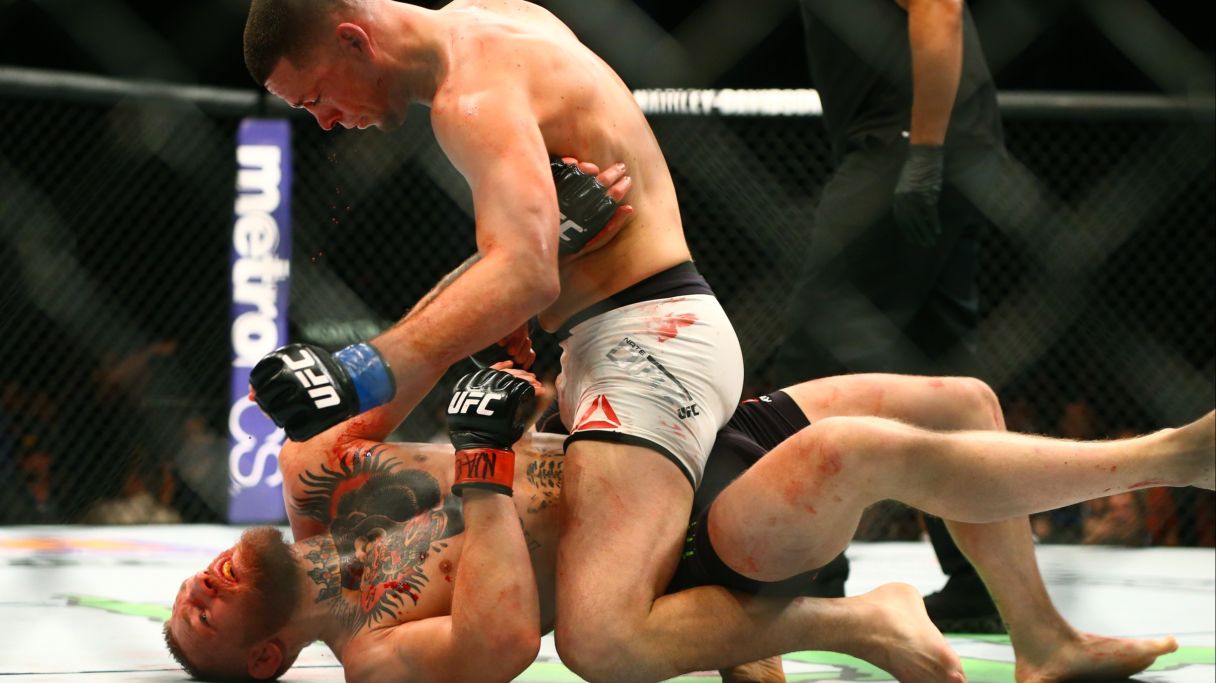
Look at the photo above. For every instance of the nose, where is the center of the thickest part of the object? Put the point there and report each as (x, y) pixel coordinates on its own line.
(327, 120)
(202, 589)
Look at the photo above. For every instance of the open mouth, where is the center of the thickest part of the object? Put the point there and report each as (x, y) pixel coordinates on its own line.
(225, 567)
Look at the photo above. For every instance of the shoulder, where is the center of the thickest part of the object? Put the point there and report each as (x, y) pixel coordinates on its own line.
(482, 129)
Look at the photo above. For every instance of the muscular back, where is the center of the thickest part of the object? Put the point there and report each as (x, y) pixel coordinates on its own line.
(583, 110)
(385, 534)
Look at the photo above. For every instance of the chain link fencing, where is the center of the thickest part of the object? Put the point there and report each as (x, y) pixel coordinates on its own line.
(1097, 279)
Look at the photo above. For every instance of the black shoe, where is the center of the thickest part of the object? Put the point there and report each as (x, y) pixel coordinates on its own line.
(964, 606)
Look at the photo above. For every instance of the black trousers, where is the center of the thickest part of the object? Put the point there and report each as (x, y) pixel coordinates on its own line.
(864, 299)
(867, 301)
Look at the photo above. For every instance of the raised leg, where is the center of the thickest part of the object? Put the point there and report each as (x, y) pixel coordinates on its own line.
(829, 472)
(1002, 551)
(627, 512)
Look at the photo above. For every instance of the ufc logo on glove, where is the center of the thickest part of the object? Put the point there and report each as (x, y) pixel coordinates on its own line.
(310, 374)
(463, 400)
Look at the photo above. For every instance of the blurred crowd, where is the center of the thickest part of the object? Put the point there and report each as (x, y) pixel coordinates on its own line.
(121, 448)
(1149, 517)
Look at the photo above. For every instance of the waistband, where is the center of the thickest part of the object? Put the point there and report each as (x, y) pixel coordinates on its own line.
(679, 280)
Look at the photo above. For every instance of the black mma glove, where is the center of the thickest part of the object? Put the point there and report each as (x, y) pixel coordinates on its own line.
(585, 209)
(584, 204)
(305, 390)
(487, 414)
(916, 195)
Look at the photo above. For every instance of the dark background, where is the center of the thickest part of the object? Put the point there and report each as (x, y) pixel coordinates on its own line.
(115, 227)
(1033, 44)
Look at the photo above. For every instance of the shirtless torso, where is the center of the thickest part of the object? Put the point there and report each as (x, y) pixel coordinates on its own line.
(508, 55)
(384, 513)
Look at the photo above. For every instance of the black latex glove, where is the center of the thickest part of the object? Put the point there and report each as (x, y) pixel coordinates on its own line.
(916, 195)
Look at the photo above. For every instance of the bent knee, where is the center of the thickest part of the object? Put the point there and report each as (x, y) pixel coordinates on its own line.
(854, 446)
(592, 651)
(982, 407)
(827, 444)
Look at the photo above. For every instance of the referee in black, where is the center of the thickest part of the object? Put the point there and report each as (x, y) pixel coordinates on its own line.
(888, 282)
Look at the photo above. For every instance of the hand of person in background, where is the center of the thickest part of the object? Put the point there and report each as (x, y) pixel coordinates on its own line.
(916, 195)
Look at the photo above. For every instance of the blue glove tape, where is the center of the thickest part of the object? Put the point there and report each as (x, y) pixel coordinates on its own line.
(374, 384)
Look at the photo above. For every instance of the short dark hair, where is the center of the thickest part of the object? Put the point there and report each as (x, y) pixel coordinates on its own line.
(179, 655)
(283, 29)
(192, 669)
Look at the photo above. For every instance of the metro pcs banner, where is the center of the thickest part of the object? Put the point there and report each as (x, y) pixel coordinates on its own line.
(261, 270)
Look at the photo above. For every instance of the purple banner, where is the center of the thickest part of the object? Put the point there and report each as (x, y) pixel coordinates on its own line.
(261, 270)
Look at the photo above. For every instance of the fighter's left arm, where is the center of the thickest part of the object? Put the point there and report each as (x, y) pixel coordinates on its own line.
(494, 139)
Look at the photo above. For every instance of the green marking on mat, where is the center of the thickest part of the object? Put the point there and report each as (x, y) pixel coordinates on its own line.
(1186, 656)
(154, 611)
(800, 666)
(844, 667)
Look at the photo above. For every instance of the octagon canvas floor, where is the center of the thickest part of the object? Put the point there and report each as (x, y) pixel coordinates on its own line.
(85, 604)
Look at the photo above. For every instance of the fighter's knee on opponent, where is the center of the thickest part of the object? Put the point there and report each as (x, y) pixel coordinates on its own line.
(596, 649)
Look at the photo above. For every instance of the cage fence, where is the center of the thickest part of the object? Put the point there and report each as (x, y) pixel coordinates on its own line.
(1097, 278)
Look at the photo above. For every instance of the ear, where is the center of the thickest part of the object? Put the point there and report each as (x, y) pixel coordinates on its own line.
(353, 37)
(265, 658)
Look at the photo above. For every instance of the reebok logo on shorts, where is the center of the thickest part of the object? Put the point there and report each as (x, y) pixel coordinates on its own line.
(599, 415)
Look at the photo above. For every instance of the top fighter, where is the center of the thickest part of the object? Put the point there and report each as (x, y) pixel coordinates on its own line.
(651, 366)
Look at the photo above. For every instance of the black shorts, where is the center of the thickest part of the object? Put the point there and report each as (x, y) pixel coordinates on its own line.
(757, 426)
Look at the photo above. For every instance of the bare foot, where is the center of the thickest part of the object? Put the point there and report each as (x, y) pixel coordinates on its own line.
(905, 643)
(764, 671)
(1085, 655)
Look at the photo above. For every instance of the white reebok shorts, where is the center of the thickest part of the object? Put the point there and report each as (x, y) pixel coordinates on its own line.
(665, 374)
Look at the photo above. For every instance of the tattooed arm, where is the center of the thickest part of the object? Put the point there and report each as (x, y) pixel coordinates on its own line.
(365, 430)
(493, 632)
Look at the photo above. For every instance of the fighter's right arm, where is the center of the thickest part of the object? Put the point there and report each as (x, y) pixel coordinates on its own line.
(493, 633)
